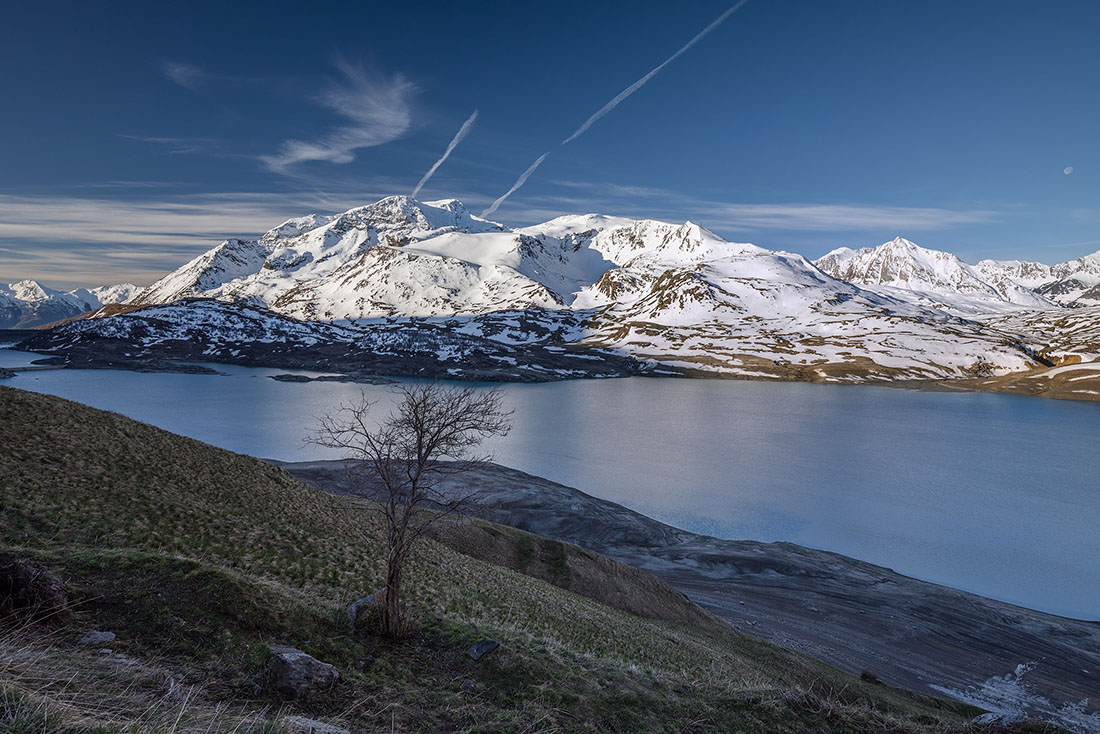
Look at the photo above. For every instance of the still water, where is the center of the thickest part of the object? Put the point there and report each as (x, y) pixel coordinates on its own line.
(995, 494)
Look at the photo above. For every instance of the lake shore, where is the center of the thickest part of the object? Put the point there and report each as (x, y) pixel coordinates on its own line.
(854, 615)
(540, 365)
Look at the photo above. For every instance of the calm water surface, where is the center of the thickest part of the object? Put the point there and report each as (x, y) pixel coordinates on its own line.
(994, 494)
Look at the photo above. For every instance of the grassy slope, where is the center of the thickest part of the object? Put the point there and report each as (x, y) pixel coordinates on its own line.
(197, 557)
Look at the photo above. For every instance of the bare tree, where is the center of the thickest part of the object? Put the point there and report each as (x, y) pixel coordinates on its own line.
(403, 462)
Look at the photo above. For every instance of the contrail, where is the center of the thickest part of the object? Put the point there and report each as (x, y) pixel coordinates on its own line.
(611, 105)
(454, 142)
(519, 182)
(638, 84)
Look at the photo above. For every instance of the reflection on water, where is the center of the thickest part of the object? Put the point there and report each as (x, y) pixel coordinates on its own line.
(991, 493)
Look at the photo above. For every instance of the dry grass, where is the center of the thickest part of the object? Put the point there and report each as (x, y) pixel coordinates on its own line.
(47, 687)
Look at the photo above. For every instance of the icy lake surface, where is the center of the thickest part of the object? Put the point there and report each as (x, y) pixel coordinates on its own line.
(995, 494)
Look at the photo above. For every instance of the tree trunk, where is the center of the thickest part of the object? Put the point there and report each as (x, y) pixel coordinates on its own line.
(393, 621)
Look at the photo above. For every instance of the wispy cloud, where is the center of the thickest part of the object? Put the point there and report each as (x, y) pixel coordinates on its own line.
(187, 76)
(69, 240)
(462, 132)
(641, 82)
(124, 184)
(176, 145)
(731, 217)
(843, 217)
(519, 182)
(378, 111)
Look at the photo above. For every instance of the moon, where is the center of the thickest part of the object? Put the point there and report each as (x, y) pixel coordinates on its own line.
(1067, 170)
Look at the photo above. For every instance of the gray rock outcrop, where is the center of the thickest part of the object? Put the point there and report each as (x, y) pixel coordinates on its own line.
(302, 725)
(294, 674)
(481, 648)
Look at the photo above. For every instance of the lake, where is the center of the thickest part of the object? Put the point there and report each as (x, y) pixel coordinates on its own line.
(995, 494)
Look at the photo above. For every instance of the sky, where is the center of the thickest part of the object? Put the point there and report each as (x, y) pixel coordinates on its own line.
(133, 137)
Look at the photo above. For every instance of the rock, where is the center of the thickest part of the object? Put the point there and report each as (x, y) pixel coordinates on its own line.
(105, 651)
(294, 674)
(996, 719)
(302, 725)
(93, 639)
(372, 601)
(291, 378)
(5, 374)
(121, 660)
(173, 691)
(27, 588)
(481, 648)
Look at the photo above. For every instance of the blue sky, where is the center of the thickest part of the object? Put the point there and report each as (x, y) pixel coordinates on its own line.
(134, 137)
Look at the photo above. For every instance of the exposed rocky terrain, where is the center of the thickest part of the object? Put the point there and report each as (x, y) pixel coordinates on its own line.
(514, 346)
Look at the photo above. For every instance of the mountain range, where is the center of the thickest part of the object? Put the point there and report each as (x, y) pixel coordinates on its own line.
(28, 304)
(409, 287)
(901, 264)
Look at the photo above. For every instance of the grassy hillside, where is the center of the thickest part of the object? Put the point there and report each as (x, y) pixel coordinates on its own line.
(197, 558)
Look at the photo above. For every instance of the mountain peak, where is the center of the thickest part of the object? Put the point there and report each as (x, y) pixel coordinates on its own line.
(901, 263)
(31, 290)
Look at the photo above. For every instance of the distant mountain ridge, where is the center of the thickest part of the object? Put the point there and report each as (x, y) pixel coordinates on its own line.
(28, 303)
(1074, 284)
(903, 264)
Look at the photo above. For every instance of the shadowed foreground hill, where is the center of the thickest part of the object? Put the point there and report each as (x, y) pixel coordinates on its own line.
(197, 558)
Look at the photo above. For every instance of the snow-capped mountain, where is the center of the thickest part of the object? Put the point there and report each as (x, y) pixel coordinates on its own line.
(1030, 275)
(28, 303)
(1077, 282)
(940, 276)
(366, 262)
(672, 297)
(1074, 284)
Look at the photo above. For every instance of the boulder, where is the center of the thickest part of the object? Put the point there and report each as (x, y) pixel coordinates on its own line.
(997, 719)
(481, 648)
(28, 589)
(302, 725)
(5, 374)
(97, 638)
(294, 674)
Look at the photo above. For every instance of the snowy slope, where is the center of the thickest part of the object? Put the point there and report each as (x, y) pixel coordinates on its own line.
(1059, 335)
(743, 310)
(313, 261)
(28, 303)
